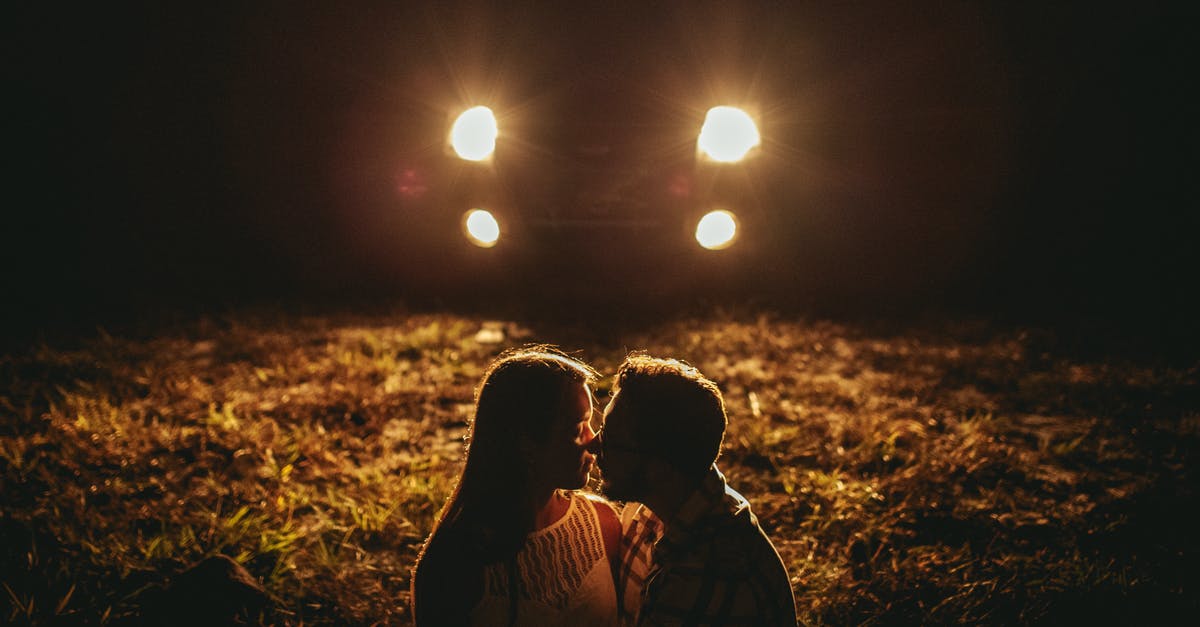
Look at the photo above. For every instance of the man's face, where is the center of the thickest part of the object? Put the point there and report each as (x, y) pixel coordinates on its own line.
(622, 463)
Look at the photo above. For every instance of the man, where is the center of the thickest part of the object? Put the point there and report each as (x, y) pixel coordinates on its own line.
(692, 551)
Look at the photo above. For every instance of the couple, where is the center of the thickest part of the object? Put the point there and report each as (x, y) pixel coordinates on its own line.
(518, 542)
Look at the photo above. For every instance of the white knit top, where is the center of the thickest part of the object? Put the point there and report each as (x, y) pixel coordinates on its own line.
(564, 572)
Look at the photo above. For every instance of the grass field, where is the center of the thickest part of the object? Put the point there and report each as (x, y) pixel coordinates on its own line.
(957, 474)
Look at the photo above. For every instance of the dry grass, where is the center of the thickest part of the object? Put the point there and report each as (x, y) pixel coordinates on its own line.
(969, 475)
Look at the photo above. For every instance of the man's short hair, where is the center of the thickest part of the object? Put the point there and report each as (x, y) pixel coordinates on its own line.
(679, 414)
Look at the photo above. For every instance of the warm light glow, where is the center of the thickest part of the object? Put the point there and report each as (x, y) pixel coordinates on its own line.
(716, 230)
(481, 228)
(727, 135)
(473, 135)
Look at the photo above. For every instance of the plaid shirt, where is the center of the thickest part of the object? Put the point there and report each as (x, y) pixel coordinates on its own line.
(713, 566)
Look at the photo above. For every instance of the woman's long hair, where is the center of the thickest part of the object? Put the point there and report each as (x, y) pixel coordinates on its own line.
(523, 392)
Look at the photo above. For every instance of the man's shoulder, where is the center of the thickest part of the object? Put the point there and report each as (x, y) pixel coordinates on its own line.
(732, 542)
(638, 516)
(733, 577)
(735, 564)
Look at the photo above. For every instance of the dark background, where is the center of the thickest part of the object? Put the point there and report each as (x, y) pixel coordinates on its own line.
(1023, 161)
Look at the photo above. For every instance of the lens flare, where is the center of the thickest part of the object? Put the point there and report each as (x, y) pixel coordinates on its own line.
(716, 230)
(728, 134)
(481, 228)
(473, 135)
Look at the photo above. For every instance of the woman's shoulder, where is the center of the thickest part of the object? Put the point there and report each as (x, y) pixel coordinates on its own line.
(603, 506)
(596, 501)
(607, 512)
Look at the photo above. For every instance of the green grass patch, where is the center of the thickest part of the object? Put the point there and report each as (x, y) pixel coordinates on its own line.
(967, 475)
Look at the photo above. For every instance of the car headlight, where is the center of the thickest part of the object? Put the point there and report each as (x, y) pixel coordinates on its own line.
(473, 135)
(716, 230)
(481, 228)
(727, 135)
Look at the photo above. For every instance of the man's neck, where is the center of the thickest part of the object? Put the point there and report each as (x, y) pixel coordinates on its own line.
(668, 494)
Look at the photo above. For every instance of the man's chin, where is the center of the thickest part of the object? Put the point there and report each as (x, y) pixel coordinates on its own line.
(617, 492)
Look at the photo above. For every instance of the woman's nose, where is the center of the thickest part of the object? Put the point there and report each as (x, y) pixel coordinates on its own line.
(587, 437)
(594, 443)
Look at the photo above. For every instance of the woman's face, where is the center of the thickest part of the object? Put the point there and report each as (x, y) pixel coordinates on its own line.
(563, 461)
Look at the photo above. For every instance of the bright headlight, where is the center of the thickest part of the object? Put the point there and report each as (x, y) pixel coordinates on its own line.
(727, 135)
(473, 135)
(716, 230)
(481, 228)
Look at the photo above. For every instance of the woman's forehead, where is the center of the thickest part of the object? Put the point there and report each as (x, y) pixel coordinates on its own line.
(579, 395)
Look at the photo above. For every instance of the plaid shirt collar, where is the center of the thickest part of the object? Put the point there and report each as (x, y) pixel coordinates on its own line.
(710, 504)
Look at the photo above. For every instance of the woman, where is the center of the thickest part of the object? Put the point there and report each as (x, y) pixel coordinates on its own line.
(517, 543)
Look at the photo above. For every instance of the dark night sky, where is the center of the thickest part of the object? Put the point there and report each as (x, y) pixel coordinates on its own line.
(1004, 157)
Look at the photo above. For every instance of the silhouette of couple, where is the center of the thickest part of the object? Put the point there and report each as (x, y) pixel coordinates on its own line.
(520, 543)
